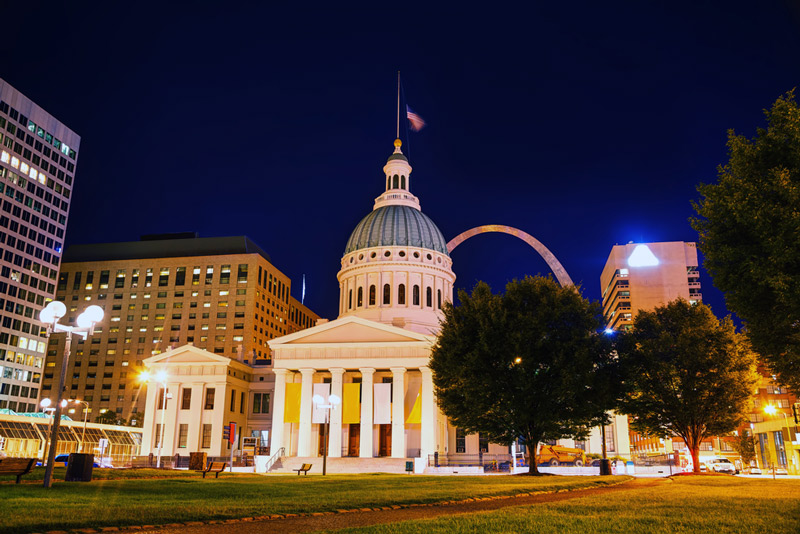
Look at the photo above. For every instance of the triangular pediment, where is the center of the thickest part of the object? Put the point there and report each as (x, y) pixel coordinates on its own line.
(186, 354)
(351, 330)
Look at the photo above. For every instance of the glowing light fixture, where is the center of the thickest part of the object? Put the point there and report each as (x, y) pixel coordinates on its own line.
(642, 256)
(770, 409)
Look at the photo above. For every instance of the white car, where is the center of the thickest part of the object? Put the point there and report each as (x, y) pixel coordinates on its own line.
(721, 465)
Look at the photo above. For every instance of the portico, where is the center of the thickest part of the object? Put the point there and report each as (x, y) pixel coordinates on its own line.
(379, 371)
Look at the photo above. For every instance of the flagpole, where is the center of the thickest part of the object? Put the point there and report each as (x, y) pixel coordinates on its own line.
(398, 105)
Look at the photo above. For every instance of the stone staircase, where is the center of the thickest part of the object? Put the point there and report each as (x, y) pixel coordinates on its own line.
(286, 464)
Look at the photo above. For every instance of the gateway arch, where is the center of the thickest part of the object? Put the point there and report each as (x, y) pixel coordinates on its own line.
(552, 262)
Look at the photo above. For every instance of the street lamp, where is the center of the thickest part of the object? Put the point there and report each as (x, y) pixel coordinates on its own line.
(50, 315)
(160, 377)
(333, 401)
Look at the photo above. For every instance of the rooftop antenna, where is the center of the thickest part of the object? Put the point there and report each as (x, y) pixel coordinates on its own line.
(398, 106)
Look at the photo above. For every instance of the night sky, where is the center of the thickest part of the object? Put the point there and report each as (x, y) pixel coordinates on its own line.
(583, 124)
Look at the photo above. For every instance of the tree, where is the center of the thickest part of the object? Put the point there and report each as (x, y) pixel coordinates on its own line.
(686, 374)
(529, 363)
(749, 228)
(745, 445)
(136, 419)
(108, 418)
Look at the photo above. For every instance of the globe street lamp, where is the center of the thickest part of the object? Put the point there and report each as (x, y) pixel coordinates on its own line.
(160, 377)
(50, 315)
(333, 401)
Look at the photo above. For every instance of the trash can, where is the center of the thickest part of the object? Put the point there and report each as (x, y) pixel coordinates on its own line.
(605, 467)
(79, 467)
(197, 461)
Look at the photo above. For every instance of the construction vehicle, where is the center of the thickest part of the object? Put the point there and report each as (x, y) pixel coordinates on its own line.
(554, 455)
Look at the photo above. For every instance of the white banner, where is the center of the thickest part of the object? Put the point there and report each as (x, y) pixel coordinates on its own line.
(383, 404)
(318, 414)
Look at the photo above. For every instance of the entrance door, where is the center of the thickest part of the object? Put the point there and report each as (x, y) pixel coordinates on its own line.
(385, 441)
(322, 436)
(354, 439)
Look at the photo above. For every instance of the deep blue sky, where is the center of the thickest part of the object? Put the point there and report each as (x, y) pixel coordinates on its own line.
(584, 124)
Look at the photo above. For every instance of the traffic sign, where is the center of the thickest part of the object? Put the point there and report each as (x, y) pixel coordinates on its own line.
(232, 433)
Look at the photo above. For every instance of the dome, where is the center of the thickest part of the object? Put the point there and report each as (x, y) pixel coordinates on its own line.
(396, 225)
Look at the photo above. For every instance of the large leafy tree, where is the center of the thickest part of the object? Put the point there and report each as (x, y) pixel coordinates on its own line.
(749, 226)
(529, 363)
(686, 374)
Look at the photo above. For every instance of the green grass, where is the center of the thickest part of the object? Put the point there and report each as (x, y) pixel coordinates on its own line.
(127, 501)
(703, 505)
(102, 474)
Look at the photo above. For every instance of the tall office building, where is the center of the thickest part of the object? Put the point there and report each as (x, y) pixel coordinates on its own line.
(38, 155)
(221, 294)
(641, 276)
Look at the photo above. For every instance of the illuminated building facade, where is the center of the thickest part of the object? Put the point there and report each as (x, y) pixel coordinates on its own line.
(38, 155)
(222, 295)
(642, 276)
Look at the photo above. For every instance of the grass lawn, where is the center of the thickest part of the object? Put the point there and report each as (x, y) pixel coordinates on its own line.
(131, 501)
(711, 505)
(102, 474)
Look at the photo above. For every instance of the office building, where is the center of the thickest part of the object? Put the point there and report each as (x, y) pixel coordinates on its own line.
(38, 155)
(642, 276)
(221, 294)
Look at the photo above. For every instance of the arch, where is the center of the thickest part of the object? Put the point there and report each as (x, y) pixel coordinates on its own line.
(402, 182)
(401, 294)
(360, 301)
(555, 266)
(396, 181)
(372, 295)
(387, 294)
(415, 296)
(429, 297)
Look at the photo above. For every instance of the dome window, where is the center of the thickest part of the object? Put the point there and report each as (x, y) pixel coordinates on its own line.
(401, 294)
(396, 180)
(402, 182)
(415, 296)
(373, 255)
(387, 253)
(360, 300)
(372, 295)
(350, 300)
(388, 182)
(416, 255)
(439, 298)
(402, 254)
(429, 298)
(360, 257)
(387, 294)
(429, 257)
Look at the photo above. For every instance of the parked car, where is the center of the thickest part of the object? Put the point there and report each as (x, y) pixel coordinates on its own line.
(720, 465)
(753, 471)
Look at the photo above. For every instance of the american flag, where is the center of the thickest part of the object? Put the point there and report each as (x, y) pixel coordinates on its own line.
(416, 121)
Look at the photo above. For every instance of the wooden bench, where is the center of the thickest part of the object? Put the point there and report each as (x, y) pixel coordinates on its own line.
(305, 469)
(16, 466)
(216, 468)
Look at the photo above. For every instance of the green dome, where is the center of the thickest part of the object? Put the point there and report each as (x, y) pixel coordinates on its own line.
(396, 226)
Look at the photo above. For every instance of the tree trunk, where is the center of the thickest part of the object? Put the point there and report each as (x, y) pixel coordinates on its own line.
(695, 450)
(692, 438)
(530, 446)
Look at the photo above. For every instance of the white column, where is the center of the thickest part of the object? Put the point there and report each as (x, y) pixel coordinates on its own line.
(304, 437)
(279, 395)
(151, 418)
(171, 420)
(365, 443)
(335, 435)
(427, 414)
(398, 412)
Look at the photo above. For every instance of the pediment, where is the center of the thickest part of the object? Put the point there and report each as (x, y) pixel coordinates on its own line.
(187, 354)
(350, 330)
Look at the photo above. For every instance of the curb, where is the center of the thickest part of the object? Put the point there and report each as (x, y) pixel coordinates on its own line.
(272, 517)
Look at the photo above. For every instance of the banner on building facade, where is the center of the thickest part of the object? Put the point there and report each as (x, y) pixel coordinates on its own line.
(291, 405)
(382, 414)
(351, 403)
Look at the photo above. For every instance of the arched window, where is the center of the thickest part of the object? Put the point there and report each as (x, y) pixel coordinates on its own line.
(350, 300)
(402, 182)
(360, 301)
(387, 294)
(439, 298)
(388, 182)
(415, 296)
(429, 297)
(401, 294)
(396, 181)
(372, 295)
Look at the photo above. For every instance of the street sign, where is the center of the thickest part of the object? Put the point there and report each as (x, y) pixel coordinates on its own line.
(232, 433)
(226, 433)
(102, 444)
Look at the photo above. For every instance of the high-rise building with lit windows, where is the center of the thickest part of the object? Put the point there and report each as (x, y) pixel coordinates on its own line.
(38, 155)
(220, 294)
(642, 276)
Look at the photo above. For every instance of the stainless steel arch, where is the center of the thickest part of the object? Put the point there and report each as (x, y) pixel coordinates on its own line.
(555, 266)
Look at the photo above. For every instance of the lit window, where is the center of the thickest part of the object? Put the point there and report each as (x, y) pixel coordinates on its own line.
(15, 163)
(24, 168)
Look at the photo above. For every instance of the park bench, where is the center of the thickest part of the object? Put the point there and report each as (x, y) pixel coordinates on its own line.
(16, 466)
(305, 469)
(216, 468)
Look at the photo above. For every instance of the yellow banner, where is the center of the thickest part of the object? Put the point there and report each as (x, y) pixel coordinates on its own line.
(414, 414)
(291, 405)
(351, 403)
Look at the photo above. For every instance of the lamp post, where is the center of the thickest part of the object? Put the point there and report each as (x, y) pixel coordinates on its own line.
(50, 315)
(160, 377)
(333, 401)
(47, 409)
